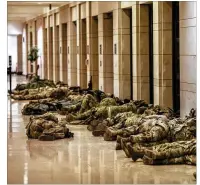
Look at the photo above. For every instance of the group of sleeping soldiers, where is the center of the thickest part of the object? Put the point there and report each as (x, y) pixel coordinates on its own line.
(152, 133)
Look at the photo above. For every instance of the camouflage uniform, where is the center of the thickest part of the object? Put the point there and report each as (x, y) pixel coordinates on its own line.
(178, 130)
(103, 112)
(56, 93)
(137, 124)
(38, 108)
(34, 83)
(194, 174)
(47, 127)
(179, 152)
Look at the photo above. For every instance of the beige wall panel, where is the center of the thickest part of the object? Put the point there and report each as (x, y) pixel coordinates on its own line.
(57, 19)
(51, 20)
(45, 22)
(63, 15)
(188, 60)
(188, 10)
(104, 6)
(83, 11)
(94, 8)
(126, 4)
(74, 13)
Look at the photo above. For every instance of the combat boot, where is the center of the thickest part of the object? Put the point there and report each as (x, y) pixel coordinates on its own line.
(194, 174)
(44, 137)
(124, 145)
(135, 152)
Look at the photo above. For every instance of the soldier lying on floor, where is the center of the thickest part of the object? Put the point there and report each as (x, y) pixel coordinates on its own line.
(100, 112)
(34, 83)
(178, 152)
(180, 130)
(70, 104)
(98, 127)
(47, 128)
(56, 93)
(152, 128)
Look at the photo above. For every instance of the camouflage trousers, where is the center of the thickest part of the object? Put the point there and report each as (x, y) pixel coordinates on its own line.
(141, 131)
(186, 159)
(179, 152)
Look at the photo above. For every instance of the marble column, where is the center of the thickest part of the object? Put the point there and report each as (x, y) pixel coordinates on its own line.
(26, 49)
(188, 56)
(35, 43)
(19, 53)
(140, 52)
(82, 53)
(93, 53)
(72, 56)
(162, 35)
(92, 47)
(121, 43)
(56, 49)
(45, 51)
(105, 40)
(81, 50)
(63, 57)
(50, 47)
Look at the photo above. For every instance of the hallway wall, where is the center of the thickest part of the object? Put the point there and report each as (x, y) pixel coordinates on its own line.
(69, 49)
(188, 54)
(12, 51)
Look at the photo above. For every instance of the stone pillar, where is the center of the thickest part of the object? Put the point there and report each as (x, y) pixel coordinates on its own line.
(140, 33)
(105, 35)
(78, 52)
(49, 49)
(93, 52)
(63, 56)
(19, 53)
(82, 54)
(92, 47)
(27, 48)
(72, 48)
(24, 50)
(121, 43)
(35, 43)
(45, 53)
(56, 50)
(31, 43)
(188, 52)
(162, 35)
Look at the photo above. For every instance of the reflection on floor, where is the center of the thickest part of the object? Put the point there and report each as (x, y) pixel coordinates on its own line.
(84, 159)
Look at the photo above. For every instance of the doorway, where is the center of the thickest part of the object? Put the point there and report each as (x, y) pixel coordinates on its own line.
(57, 54)
(94, 52)
(64, 53)
(151, 74)
(175, 57)
(83, 55)
(50, 75)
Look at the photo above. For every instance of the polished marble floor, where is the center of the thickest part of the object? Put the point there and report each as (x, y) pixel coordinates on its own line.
(83, 159)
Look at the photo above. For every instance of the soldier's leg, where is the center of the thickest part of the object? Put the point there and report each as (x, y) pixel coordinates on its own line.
(172, 150)
(137, 150)
(190, 159)
(113, 133)
(194, 174)
(118, 143)
(149, 161)
(157, 133)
